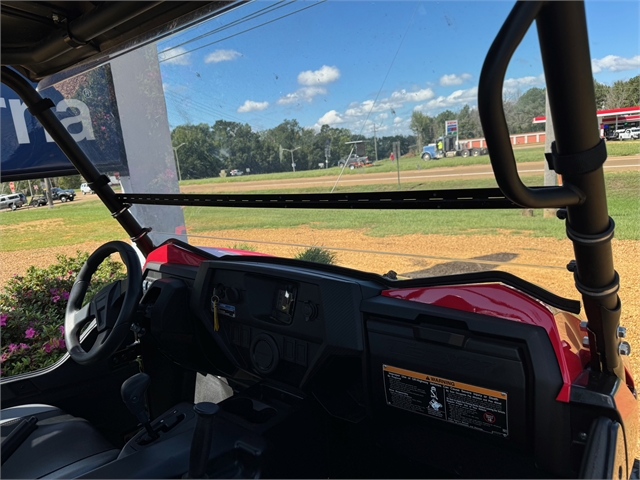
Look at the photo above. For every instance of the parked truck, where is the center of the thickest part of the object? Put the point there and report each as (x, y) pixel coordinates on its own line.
(447, 146)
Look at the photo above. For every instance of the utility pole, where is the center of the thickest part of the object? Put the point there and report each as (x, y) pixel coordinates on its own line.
(293, 164)
(550, 177)
(375, 141)
(175, 154)
(49, 193)
(396, 150)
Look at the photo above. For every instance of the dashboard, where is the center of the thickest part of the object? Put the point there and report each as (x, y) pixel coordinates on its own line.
(330, 335)
(280, 322)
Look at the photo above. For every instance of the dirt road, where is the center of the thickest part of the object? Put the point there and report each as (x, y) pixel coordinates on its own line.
(625, 163)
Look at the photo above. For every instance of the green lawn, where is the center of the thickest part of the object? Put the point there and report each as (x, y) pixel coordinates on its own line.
(90, 221)
(522, 155)
(624, 207)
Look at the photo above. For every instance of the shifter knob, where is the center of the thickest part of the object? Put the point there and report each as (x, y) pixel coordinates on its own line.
(132, 391)
(202, 436)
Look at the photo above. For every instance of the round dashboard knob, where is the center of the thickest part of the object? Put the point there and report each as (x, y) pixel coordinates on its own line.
(264, 353)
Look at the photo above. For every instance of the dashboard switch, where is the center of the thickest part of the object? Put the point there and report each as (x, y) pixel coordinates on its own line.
(264, 354)
(310, 311)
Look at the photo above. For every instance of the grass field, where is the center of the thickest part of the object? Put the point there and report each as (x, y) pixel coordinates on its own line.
(89, 220)
(522, 155)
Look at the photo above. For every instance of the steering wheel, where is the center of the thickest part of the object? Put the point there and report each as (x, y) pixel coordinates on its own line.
(113, 313)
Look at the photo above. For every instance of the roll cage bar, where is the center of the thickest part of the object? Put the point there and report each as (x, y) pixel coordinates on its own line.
(578, 154)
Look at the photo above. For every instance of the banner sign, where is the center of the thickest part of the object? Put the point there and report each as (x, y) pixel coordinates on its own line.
(86, 106)
(451, 127)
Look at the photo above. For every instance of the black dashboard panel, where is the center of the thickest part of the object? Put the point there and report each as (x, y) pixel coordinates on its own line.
(333, 339)
(280, 322)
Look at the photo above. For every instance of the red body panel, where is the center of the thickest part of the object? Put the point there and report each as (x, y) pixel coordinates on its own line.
(500, 301)
(175, 254)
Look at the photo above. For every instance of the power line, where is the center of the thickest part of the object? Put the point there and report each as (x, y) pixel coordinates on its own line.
(236, 22)
(204, 106)
(244, 31)
(189, 30)
(390, 67)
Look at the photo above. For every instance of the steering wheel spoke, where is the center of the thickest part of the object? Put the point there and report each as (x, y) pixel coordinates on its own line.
(113, 307)
(79, 319)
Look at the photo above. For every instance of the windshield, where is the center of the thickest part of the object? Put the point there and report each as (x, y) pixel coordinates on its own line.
(342, 97)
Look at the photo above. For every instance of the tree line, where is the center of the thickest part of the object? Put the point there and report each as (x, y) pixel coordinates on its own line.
(225, 145)
(206, 150)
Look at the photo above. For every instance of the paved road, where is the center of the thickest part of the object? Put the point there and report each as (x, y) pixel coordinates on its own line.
(626, 163)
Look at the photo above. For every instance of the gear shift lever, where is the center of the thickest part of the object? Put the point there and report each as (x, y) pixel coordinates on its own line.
(132, 391)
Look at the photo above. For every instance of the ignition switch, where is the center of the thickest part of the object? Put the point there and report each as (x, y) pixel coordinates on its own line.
(310, 311)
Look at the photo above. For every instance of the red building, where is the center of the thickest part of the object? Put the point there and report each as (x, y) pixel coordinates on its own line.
(614, 118)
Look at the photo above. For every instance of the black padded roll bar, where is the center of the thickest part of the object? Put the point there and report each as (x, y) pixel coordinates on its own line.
(41, 109)
(493, 120)
(578, 152)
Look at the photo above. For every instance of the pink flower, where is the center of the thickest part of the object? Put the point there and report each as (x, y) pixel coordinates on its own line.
(61, 327)
(70, 272)
(47, 348)
(53, 291)
(55, 298)
(61, 344)
(29, 333)
(12, 347)
(65, 295)
(3, 320)
(102, 128)
(4, 357)
(23, 346)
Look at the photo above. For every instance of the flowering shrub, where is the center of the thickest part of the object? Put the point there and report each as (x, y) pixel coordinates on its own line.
(32, 309)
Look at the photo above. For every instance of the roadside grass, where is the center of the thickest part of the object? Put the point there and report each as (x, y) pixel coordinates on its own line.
(522, 155)
(623, 201)
(90, 221)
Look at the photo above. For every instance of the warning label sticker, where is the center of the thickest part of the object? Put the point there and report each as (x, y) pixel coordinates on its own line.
(455, 402)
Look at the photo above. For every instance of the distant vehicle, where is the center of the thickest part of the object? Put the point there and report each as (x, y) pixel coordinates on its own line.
(629, 134)
(447, 147)
(85, 188)
(236, 172)
(12, 201)
(38, 201)
(611, 135)
(62, 195)
(354, 162)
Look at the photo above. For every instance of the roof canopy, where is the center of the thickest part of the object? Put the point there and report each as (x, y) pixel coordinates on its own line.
(633, 112)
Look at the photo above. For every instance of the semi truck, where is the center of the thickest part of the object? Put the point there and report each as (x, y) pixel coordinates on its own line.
(447, 146)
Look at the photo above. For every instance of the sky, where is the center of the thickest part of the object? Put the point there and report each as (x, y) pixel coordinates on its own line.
(363, 64)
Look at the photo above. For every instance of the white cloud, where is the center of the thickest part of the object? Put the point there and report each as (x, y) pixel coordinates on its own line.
(614, 63)
(183, 59)
(221, 56)
(382, 116)
(457, 98)
(304, 94)
(397, 120)
(330, 118)
(396, 100)
(322, 76)
(251, 106)
(513, 85)
(453, 79)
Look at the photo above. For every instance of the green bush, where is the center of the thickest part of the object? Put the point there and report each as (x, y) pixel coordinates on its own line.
(318, 255)
(32, 309)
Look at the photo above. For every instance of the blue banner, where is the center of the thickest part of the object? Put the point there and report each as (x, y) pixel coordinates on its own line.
(86, 105)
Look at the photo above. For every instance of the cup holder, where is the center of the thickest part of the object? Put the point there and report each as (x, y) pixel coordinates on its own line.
(252, 411)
